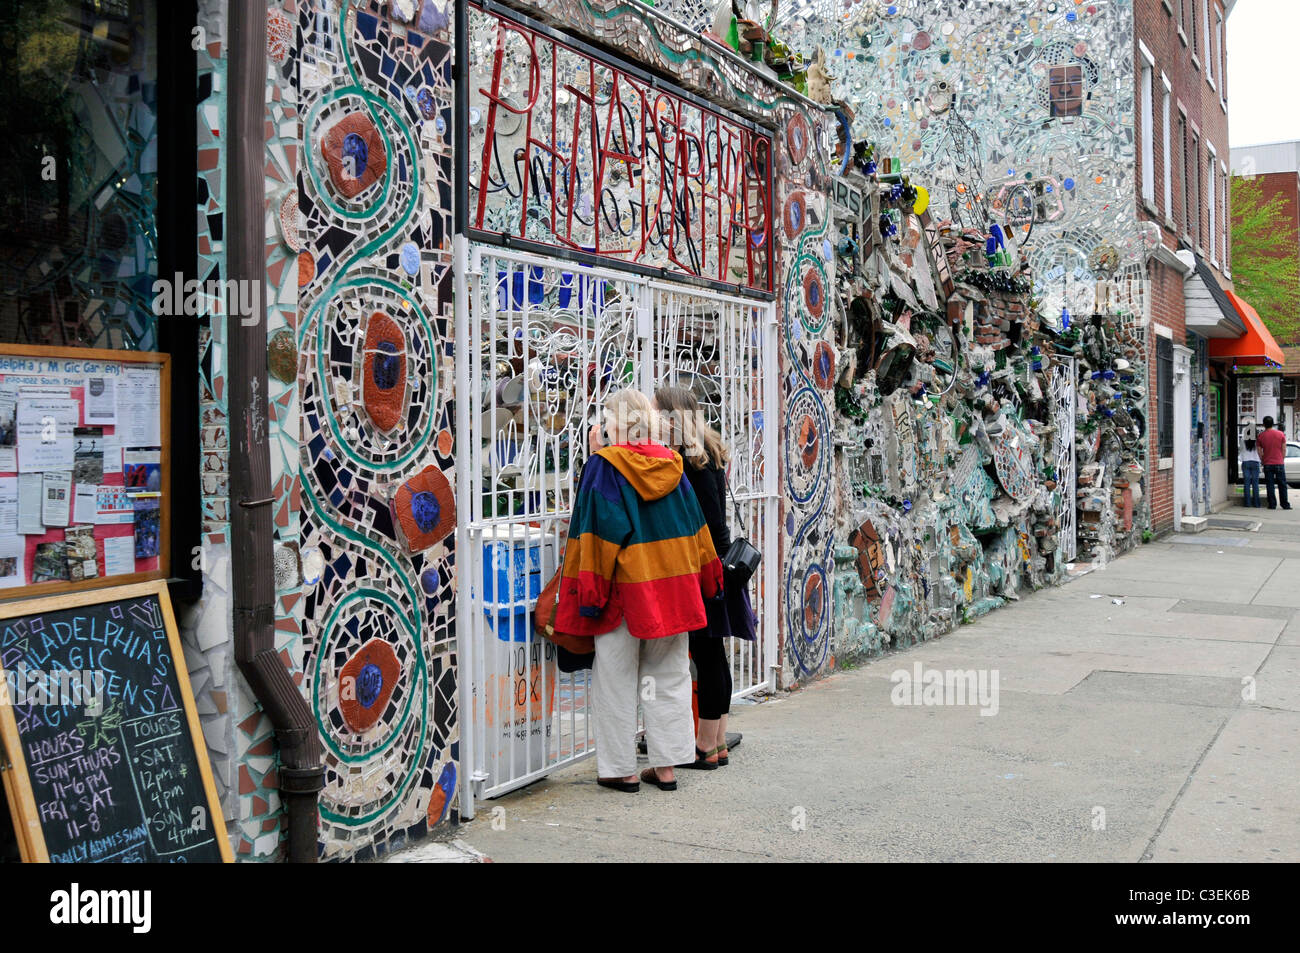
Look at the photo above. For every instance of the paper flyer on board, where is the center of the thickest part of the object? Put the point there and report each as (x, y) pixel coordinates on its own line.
(139, 407)
(101, 399)
(12, 570)
(8, 506)
(85, 503)
(29, 504)
(56, 497)
(46, 429)
(113, 505)
(119, 555)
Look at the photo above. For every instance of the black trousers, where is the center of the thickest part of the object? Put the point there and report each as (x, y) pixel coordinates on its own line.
(712, 675)
(1275, 476)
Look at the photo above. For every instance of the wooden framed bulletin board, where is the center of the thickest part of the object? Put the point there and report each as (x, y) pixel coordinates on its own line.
(101, 750)
(85, 468)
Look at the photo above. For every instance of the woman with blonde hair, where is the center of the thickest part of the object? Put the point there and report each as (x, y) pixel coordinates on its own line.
(638, 566)
(706, 459)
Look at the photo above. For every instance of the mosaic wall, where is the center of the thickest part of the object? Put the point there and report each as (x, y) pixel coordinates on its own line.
(371, 237)
(1019, 114)
(259, 809)
(206, 624)
(931, 423)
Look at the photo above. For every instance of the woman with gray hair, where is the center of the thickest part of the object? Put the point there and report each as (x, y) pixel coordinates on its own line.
(638, 565)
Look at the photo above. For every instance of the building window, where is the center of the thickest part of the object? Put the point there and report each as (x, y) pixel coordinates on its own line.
(1209, 48)
(1168, 153)
(1196, 46)
(1165, 396)
(1148, 136)
(1187, 190)
(1223, 213)
(1212, 194)
(1065, 91)
(1223, 57)
(1216, 421)
(1194, 223)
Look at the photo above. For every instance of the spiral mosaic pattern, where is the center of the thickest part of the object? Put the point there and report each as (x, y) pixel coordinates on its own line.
(377, 411)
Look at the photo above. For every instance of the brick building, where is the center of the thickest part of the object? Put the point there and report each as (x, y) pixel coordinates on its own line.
(1182, 185)
(1276, 166)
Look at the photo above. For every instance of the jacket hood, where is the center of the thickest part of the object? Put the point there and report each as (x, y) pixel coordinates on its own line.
(653, 470)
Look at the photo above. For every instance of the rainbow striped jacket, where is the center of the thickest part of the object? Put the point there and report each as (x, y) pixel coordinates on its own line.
(639, 549)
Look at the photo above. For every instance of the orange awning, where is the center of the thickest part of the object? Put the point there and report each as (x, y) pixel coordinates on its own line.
(1256, 346)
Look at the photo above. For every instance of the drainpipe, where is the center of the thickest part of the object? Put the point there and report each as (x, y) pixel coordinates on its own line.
(251, 529)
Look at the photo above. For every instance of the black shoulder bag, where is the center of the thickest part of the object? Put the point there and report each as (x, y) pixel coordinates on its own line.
(742, 557)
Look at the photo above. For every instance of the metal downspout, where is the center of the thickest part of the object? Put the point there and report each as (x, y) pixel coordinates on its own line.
(251, 530)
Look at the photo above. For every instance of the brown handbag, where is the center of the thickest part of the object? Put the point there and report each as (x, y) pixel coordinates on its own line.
(548, 603)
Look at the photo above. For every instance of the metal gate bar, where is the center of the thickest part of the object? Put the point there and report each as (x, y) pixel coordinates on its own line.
(544, 342)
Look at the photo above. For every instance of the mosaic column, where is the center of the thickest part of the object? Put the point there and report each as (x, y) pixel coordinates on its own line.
(375, 377)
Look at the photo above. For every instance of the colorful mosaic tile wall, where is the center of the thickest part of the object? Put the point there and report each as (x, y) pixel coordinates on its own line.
(375, 371)
(803, 275)
(206, 624)
(259, 813)
(1020, 113)
(970, 446)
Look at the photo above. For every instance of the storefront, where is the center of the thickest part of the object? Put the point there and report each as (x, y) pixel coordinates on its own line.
(1255, 380)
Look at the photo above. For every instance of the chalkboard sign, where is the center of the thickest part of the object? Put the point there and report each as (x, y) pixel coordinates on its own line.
(106, 760)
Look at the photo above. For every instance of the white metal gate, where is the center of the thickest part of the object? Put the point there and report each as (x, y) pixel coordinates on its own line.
(1065, 407)
(539, 348)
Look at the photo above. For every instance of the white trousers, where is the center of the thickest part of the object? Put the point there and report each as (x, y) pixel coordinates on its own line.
(656, 673)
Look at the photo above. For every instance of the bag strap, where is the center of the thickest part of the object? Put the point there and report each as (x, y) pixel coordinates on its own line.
(740, 520)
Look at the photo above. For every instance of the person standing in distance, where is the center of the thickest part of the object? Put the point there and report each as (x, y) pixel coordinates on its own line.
(1249, 457)
(1272, 454)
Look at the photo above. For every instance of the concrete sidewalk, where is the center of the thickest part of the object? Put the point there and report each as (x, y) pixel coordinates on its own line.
(1121, 734)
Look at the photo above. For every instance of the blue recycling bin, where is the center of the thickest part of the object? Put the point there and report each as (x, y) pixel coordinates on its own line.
(512, 581)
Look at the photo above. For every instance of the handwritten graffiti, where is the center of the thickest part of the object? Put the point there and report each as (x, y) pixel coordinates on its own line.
(568, 150)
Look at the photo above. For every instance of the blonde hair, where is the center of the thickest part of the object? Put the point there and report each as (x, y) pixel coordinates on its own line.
(686, 431)
(631, 418)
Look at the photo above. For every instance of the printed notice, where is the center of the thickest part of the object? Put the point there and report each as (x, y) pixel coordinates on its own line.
(56, 497)
(113, 505)
(8, 506)
(142, 470)
(29, 504)
(85, 503)
(101, 400)
(119, 555)
(112, 454)
(8, 428)
(12, 572)
(46, 428)
(139, 407)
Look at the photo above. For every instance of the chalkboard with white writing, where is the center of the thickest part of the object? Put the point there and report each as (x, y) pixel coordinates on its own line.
(105, 757)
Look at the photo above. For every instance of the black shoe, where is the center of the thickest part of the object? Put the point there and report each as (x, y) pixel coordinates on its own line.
(701, 762)
(618, 784)
(651, 776)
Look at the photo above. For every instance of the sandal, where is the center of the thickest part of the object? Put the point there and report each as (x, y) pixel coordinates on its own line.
(723, 759)
(702, 761)
(618, 784)
(651, 776)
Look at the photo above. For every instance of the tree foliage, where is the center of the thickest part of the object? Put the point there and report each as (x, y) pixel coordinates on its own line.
(1266, 257)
